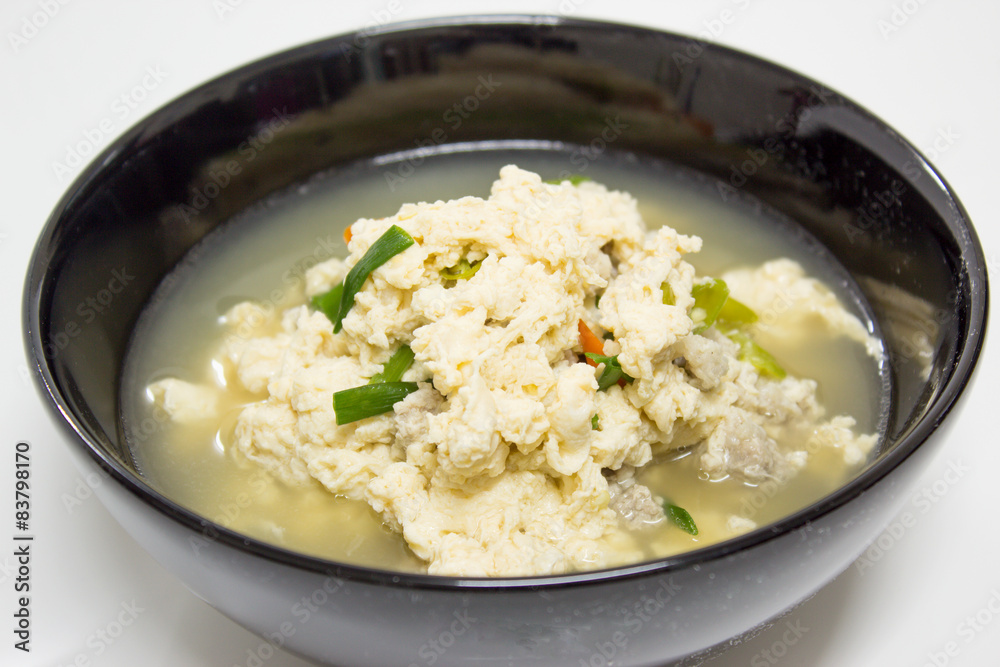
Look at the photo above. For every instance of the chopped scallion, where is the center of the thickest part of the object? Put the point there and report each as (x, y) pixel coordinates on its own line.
(461, 271)
(574, 179)
(369, 400)
(668, 294)
(328, 303)
(709, 298)
(595, 423)
(758, 357)
(681, 518)
(394, 241)
(392, 370)
(735, 313)
(612, 370)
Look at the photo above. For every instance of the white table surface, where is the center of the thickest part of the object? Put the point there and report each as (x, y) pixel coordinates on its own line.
(930, 68)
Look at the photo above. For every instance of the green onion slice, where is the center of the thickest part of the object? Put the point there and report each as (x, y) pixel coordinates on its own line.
(574, 179)
(712, 304)
(329, 302)
(709, 298)
(681, 518)
(461, 271)
(668, 294)
(734, 313)
(390, 244)
(369, 400)
(758, 357)
(612, 370)
(595, 423)
(392, 370)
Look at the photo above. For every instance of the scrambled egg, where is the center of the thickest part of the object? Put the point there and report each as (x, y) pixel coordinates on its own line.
(497, 465)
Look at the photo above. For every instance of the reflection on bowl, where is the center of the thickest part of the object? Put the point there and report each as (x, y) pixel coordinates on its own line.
(749, 126)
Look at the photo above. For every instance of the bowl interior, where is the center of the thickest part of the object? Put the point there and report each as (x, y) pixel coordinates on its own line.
(752, 128)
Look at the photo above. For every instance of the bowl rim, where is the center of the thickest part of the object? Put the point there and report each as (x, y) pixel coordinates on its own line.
(967, 352)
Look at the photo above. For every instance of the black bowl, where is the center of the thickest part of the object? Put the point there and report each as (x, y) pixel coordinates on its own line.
(749, 126)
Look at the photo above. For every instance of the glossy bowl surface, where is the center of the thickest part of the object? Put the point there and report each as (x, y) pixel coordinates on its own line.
(754, 128)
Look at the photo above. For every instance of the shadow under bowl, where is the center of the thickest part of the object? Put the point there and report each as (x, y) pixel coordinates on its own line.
(750, 126)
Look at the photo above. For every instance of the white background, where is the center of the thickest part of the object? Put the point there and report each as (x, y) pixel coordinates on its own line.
(936, 73)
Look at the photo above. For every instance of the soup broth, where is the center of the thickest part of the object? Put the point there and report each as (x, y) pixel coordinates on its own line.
(263, 254)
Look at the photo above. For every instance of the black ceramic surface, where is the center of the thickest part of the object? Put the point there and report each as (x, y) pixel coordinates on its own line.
(756, 128)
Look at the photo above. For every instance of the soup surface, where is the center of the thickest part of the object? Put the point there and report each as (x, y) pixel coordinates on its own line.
(264, 256)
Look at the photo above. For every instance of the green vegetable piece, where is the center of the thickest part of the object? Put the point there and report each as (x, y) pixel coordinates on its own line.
(734, 313)
(709, 297)
(595, 423)
(574, 179)
(369, 400)
(610, 376)
(612, 370)
(461, 271)
(392, 370)
(681, 518)
(390, 244)
(668, 294)
(602, 358)
(329, 302)
(762, 360)
(758, 357)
